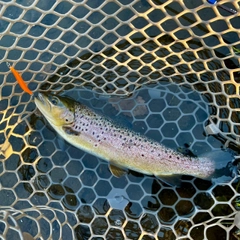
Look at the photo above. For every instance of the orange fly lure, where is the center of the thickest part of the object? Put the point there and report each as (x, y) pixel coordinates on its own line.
(20, 80)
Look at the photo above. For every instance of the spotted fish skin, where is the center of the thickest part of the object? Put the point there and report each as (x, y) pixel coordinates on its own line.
(102, 137)
(110, 141)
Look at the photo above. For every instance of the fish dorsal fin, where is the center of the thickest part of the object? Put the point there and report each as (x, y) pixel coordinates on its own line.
(171, 180)
(117, 171)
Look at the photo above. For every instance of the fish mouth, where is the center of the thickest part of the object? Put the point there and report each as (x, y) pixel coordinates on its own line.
(44, 106)
(40, 98)
(42, 103)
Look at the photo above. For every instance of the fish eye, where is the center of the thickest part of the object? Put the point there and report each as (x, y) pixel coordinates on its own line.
(54, 100)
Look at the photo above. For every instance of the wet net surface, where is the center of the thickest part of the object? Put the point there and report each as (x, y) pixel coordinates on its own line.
(168, 69)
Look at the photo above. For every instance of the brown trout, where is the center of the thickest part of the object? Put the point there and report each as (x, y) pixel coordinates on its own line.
(123, 148)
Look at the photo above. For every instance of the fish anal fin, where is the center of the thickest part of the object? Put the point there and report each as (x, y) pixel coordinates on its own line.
(171, 180)
(117, 171)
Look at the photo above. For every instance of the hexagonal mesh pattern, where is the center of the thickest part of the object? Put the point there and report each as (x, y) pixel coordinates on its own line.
(177, 61)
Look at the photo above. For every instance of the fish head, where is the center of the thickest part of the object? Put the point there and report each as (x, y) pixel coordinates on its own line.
(58, 110)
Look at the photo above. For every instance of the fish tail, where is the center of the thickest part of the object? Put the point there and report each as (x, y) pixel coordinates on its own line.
(222, 161)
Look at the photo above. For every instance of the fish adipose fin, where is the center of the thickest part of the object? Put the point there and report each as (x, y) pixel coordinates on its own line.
(186, 151)
(171, 180)
(117, 171)
(223, 166)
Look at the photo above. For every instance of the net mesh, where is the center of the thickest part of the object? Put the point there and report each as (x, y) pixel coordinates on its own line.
(177, 63)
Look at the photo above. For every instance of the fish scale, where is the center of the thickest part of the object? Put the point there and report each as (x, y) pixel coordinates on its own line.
(96, 134)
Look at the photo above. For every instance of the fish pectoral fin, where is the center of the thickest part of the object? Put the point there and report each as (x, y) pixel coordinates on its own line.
(171, 180)
(117, 171)
(70, 131)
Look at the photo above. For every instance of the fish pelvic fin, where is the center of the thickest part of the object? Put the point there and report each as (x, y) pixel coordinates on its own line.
(117, 171)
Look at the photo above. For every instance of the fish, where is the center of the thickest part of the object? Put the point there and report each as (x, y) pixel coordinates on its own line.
(124, 148)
